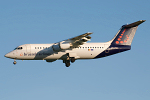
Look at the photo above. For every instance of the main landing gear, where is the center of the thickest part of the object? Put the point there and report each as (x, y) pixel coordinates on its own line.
(14, 62)
(67, 62)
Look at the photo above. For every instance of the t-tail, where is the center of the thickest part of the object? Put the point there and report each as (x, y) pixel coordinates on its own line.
(126, 34)
(122, 40)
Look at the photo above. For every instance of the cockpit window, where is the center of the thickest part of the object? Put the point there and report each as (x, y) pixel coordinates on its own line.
(18, 48)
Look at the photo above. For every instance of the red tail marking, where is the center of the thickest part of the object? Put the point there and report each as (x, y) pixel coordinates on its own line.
(124, 31)
(117, 42)
(119, 39)
(127, 36)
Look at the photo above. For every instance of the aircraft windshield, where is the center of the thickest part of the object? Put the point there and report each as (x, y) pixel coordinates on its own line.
(18, 48)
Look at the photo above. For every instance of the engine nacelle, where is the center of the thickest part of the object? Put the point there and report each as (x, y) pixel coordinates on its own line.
(85, 39)
(61, 46)
(56, 47)
(64, 45)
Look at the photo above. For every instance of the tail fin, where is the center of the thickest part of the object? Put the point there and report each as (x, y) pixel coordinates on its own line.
(126, 34)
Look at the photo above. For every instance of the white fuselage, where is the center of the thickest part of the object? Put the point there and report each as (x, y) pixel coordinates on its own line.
(45, 51)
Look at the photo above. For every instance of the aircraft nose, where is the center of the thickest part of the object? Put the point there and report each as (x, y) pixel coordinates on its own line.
(8, 55)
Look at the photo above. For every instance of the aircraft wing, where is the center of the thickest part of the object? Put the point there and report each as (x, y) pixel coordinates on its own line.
(79, 40)
(72, 42)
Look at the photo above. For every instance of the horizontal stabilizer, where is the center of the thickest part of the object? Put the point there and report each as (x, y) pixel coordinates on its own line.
(134, 24)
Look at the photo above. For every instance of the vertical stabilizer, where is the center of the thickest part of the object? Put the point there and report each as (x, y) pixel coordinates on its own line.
(126, 34)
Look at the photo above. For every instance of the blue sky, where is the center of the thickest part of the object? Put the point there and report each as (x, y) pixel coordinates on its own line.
(124, 76)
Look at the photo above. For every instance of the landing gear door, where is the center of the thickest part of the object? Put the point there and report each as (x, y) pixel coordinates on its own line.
(28, 48)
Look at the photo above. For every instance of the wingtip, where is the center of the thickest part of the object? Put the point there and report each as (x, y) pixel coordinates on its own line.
(89, 33)
(143, 20)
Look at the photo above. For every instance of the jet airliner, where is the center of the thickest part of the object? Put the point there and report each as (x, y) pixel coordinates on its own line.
(77, 47)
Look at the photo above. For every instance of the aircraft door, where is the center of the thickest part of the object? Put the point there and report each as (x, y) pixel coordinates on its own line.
(28, 48)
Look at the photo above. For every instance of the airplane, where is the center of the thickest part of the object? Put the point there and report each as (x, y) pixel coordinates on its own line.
(77, 47)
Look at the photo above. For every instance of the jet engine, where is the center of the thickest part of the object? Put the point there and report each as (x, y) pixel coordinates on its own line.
(64, 45)
(61, 46)
(56, 47)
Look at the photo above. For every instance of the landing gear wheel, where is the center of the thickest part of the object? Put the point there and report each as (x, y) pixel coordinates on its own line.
(14, 62)
(73, 60)
(67, 63)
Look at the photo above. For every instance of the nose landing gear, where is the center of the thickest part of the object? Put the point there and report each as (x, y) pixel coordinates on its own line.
(14, 62)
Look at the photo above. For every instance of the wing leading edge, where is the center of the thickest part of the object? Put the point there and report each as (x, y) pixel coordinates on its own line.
(72, 42)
